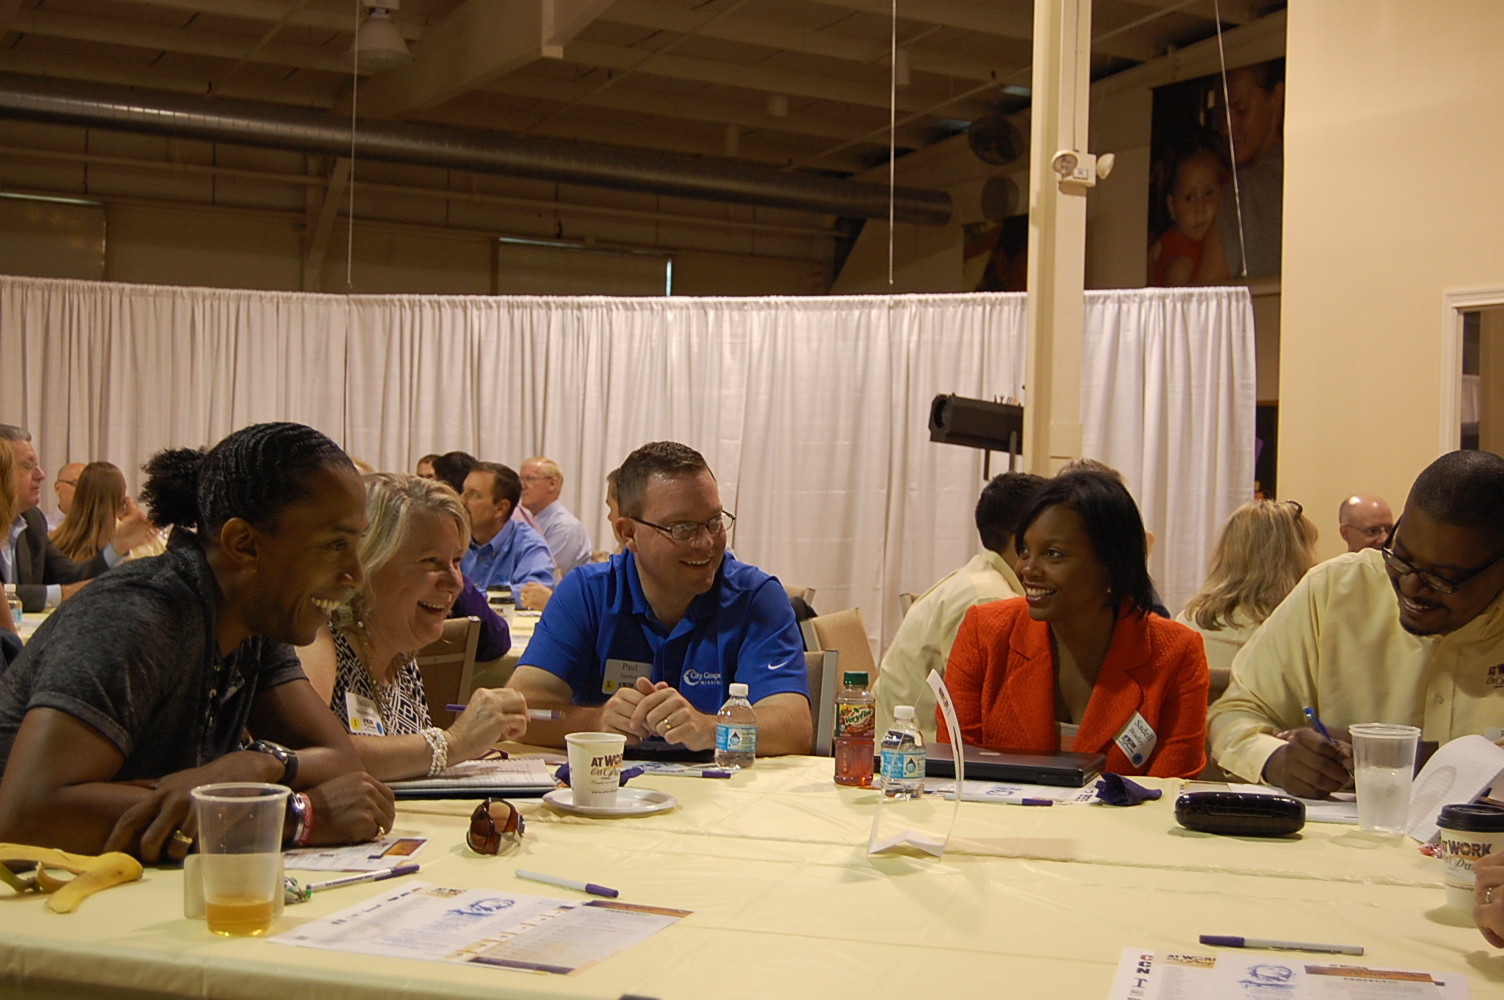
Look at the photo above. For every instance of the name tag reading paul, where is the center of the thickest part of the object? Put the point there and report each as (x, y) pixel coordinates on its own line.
(623, 673)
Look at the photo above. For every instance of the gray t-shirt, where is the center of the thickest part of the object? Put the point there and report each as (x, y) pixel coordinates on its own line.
(133, 655)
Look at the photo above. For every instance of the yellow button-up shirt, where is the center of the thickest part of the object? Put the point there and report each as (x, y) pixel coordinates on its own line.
(927, 632)
(1335, 644)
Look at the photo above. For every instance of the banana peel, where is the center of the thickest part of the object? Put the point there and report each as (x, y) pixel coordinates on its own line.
(91, 873)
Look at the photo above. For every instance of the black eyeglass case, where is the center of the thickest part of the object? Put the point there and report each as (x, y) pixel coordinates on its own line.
(1240, 814)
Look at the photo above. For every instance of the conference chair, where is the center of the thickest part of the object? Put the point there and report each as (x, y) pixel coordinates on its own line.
(448, 668)
(807, 594)
(844, 632)
(821, 668)
(1220, 676)
(842, 639)
(1218, 679)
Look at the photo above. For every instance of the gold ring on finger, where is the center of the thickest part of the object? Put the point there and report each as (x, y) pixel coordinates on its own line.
(1488, 895)
(179, 837)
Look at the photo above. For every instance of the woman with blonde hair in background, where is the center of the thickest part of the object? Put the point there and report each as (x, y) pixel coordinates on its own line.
(1265, 547)
(99, 502)
(89, 525)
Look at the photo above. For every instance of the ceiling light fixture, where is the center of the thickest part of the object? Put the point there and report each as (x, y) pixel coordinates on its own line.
(378, 45)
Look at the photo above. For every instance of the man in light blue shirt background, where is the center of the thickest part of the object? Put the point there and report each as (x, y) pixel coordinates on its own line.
(542, 481)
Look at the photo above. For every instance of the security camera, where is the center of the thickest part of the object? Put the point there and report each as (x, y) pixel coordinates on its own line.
(1082, 169)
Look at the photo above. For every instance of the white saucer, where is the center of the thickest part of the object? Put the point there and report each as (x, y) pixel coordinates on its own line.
(629, 802)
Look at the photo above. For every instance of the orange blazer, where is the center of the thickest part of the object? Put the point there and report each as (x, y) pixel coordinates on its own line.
(1001, 676)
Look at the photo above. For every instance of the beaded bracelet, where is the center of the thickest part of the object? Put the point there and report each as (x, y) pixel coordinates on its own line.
(438, 745)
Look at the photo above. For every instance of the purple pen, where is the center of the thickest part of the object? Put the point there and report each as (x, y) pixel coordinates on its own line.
(568, 883)
(359, 877)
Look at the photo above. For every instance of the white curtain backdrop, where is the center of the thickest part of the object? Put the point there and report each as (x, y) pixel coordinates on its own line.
(812, 411)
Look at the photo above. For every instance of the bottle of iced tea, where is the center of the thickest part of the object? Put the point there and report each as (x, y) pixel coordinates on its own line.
(855, 725)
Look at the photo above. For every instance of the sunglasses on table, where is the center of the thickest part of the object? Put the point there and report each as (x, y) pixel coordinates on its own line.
(495, 826)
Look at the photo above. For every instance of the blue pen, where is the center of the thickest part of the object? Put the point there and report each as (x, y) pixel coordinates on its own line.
(1316, 724)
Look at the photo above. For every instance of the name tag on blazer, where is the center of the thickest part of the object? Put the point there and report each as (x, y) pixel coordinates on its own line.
(1136, 740)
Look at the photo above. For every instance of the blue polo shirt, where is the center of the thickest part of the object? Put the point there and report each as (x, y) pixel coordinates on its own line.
(515, 555)
(598, 631)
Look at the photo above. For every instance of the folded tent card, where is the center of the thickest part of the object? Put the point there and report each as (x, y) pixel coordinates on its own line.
(890, 823)
(1462, 770)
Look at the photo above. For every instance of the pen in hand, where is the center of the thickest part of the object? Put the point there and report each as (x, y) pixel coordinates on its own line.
(535, 714)
(1315, 722)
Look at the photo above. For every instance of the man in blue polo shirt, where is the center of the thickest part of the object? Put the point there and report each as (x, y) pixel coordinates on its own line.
(648, 643)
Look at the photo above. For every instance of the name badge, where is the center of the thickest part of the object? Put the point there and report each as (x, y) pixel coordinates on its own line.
(623, 673)
(362, 715)
(1136, 740)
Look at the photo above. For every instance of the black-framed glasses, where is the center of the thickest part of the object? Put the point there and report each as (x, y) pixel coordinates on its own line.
(486, 835)
(1299, 510)
(1400, 569)
(688, 531)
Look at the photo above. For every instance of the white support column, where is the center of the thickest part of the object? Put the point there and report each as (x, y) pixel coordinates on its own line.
(1057, 235)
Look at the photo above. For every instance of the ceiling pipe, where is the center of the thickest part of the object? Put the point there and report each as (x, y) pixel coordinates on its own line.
(307, 130)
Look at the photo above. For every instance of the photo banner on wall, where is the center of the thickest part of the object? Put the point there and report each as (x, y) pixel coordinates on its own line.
(1217, 176)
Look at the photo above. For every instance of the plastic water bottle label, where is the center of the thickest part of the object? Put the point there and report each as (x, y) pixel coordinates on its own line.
(903, 765)
(731, 738)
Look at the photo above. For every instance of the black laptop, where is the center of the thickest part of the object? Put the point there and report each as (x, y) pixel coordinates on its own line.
(1066, 768)
(656, 749)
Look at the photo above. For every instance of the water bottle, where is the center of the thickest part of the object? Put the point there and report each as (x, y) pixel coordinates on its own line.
(856, 722)
(903, 757)
(735, 731)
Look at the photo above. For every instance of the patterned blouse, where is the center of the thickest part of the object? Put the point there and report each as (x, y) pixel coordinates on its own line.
(403, 707)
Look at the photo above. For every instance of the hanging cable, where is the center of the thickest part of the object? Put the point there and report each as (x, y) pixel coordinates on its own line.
(354, 104)
(1232, 143)
(892, 129)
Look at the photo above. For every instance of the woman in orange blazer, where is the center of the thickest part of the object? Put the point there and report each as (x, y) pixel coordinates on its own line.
(1079, 654)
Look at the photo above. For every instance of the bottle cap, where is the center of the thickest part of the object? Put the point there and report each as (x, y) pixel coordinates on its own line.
(903, 711)
(854, 678)
(738, 690)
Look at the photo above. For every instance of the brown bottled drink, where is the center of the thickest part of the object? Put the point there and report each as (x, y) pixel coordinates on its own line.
(856, 721)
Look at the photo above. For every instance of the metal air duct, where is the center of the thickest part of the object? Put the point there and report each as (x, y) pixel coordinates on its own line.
(307, 130)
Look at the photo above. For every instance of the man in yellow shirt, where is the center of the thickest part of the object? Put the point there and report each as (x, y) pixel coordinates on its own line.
(1411, 633)
(926, 633)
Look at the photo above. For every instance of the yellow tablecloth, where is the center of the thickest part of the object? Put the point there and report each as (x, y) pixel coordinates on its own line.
(1029, 902)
